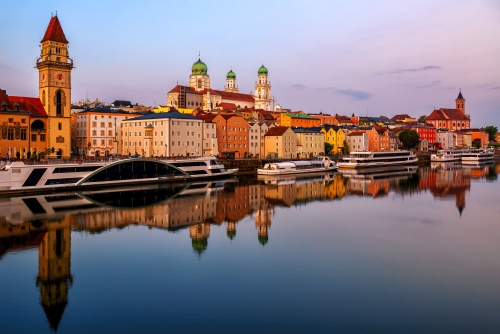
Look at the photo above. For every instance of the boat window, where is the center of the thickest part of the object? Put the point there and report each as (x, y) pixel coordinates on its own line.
(63, 181)
(216, 171)
(188, 163)
(196, 172)
(213, 162)
(135, 170)
(35, 176)
(75, 169)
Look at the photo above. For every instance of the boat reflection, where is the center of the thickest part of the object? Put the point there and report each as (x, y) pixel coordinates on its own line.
(47, 222)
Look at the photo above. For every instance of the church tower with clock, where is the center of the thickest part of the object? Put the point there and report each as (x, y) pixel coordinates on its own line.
(54, 67)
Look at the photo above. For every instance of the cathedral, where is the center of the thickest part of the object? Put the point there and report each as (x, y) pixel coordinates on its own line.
(199, 94)
(451, 119)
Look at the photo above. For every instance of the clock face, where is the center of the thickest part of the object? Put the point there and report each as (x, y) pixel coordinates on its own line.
(43, 79)
(59, 79)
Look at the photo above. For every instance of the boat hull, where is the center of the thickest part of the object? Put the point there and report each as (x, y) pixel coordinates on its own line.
(262, 171)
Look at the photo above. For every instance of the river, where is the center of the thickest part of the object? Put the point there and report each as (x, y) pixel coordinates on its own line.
(404, 250)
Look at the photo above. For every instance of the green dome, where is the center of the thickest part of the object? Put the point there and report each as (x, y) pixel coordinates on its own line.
(231, 75)
(199, 245)
(262, 70)
(263, 240)
(231, 234)
(199, 67)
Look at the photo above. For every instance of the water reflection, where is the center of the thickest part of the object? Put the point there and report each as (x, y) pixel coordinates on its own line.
(46, 221)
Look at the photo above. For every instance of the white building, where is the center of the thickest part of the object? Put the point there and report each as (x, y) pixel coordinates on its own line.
(163, 134)
(445, 138)
(256, 138)
(210, 141)
(357, 141)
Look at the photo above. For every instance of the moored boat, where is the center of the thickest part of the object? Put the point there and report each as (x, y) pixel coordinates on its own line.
(447, 155)
(377, 159)
(297, 167)
(477, 155)
(21, 177)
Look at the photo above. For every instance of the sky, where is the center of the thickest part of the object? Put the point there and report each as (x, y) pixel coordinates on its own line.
(339, 57)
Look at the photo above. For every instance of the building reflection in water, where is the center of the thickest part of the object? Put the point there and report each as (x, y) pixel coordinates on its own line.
(47, 221)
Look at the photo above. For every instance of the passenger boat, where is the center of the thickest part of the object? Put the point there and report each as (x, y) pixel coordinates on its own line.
(298, 167)
(447, 155)
(379, 172)
(278, 180)
(477, 155)
(377, 159)
(21, 177)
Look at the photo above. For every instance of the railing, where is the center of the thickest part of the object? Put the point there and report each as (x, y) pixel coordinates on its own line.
(96, 160)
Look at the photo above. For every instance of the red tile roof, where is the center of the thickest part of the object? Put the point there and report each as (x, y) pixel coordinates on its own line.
(206, 117)
(230, 95)
(357, 133)
(187, 89)
(447, 114)
(31, 104)
(54, 32)
(277, 131)
(228, 106)
(400, 117)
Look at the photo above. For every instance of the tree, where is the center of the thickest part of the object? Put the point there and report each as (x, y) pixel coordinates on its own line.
(409, 138)
(492, 130)
(422, 119)
(328, 148)
(476, 143)
(346, 147)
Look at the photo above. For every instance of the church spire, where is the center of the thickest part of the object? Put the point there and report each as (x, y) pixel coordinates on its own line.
(460, 95)
(54, 32)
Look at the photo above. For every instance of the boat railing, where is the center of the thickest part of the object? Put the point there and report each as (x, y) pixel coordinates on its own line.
(96, 160)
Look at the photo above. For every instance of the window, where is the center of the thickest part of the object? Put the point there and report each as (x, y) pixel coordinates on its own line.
(102, 132)
(102, 125)
(59, 126)
(94, 124)
(33, 137)
(10, 134)
(42, 138)
(23, 134)
(173, 143)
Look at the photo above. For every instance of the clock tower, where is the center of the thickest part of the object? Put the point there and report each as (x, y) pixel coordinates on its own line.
(54, 67)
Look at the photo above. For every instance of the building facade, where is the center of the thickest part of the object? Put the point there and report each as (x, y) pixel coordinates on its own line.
(280, 142)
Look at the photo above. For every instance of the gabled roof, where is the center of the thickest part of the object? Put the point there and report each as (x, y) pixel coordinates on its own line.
(31, 104)
(206, 117)
(447, 114)
(276, 131)
(187, 89)
(226, 105)
(356, 133)
(170, 114)
(54, 32)
(400, 117)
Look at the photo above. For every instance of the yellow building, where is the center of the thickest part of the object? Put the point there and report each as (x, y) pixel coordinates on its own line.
(335, 136)
(280, 142)
(310, 142)
(54, 67)
(160, 109)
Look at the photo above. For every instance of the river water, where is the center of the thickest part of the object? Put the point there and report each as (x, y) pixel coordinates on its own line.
(406, 250)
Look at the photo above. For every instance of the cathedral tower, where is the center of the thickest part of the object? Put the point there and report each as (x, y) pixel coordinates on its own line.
(262, 90)
(54, 67)
(460, 102)
(199, 79)
(231, 82)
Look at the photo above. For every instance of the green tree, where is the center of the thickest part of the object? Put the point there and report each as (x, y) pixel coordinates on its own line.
(328, 148)
(476, 143)
(492, 130)
(409, 138)
(346, 147)
(422, 119)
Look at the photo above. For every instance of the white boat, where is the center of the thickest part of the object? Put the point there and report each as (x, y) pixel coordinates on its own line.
(477, 155)
(447, 155)
(377, 159)
(379, 172)
(21, 177)
(279, 180)
(297, 167)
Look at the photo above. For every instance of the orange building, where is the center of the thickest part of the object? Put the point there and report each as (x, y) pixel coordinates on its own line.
(378, 138)
(299, 120)
(325, 119)
(23, 123)
(232, 134)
